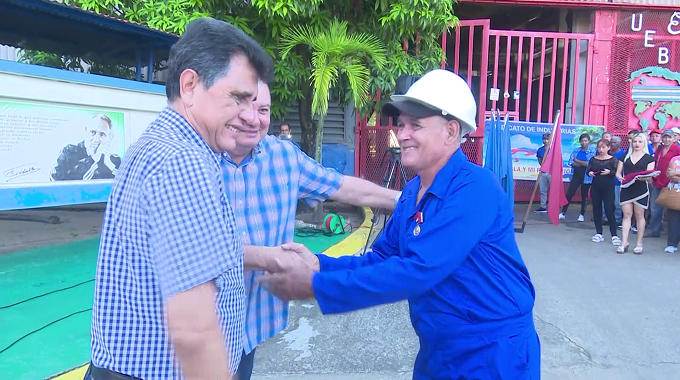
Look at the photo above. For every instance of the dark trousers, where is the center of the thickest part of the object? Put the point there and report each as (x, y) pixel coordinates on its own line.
(673, 227)
(94, 373)
(602, 193)
(576, 182)
(245, 367)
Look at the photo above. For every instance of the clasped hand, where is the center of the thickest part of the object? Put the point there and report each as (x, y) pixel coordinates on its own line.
(291, 276)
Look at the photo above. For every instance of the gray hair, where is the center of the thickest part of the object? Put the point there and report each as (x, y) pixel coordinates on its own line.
(99, 117)
(207, 47)
(616, 140)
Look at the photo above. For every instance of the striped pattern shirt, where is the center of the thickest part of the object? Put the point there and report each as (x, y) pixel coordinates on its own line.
(168, 228)
(263, 191)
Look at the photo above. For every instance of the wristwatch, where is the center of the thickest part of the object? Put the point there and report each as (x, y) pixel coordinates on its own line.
(396, 199)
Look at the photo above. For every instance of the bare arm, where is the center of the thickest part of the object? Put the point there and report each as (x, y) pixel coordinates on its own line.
(359, 192)
(619, 171)
(196, 335)
(580, 163)
(262, 258)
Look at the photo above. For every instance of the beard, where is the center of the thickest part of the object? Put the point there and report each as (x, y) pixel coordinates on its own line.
(92, 147)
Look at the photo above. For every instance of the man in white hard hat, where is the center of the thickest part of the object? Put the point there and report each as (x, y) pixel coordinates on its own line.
(449, 249)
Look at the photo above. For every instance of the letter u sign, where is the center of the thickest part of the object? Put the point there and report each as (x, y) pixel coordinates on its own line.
(636, 23)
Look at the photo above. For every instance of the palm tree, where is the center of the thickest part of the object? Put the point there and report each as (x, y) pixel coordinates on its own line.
(335, 52)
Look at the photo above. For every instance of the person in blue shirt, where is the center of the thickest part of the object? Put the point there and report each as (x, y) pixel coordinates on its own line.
(544, 178)
(617, 152)
(578, 160)
(449, 249)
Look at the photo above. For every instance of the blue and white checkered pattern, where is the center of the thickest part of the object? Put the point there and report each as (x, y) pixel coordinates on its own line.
(168, 228)
(263, 191)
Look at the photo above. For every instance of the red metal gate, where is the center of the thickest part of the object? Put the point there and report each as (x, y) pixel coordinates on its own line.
(471, 61)
(535, 75)
(526, 74)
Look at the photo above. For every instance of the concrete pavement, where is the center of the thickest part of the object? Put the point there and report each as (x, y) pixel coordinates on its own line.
(600, 315)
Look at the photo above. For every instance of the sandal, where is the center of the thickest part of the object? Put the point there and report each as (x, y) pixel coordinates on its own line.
(597, 238)
(638, 250)
(616, 241)
(622, 249)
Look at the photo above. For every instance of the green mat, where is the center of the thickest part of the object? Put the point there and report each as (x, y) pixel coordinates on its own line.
(62, 318)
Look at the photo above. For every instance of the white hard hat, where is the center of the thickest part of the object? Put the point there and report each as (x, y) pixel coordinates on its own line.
(438, 92)
(676, 130)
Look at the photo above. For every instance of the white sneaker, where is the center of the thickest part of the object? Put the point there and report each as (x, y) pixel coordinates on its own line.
(561, 216)
(581, 218)
(616, 241)
(670, 249)
(597, 238)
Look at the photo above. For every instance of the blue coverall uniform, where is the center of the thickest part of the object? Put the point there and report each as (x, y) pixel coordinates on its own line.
(469, 292)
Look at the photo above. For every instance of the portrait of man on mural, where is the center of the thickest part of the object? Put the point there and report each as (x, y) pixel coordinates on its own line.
(91, 158)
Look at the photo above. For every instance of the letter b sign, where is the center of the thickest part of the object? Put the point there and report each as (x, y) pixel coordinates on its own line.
(663, 55)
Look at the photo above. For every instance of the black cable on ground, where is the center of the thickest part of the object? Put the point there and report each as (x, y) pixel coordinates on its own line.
(45, 294)
(304, 232)
(41, 328)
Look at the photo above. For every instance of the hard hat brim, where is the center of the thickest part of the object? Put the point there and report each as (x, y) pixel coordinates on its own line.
(408, 107)
(419, 110)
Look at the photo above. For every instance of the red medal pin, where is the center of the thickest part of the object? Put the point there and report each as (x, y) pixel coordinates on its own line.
(419, 219)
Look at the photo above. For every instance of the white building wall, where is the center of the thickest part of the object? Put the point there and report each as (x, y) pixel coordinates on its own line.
(39, 116)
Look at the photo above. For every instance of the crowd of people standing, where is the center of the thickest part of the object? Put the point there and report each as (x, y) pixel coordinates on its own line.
(624, 185)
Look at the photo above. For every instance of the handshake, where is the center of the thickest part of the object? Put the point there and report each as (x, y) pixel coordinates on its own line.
(290, 271)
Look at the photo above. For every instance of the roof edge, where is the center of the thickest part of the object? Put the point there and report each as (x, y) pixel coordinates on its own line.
(602, 4)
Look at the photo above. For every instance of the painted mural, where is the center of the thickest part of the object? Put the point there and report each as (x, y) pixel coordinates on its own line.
(655, 99)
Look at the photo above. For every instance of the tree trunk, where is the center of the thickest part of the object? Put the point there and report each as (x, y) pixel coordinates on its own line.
(308, 129)
(319, 215)
(307, 138)
(319, 139)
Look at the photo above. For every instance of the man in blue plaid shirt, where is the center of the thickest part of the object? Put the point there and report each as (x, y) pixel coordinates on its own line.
(264, 177)
(169, 295)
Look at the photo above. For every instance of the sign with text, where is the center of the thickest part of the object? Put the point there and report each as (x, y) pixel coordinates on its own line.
(42, 144)
(527, 137)
(672, 29)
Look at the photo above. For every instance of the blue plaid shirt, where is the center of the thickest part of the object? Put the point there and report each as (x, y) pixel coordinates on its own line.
(168, 228)
(263, 191)
(591, 152)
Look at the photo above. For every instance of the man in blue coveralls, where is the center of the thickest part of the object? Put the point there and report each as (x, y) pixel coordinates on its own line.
(449, 249)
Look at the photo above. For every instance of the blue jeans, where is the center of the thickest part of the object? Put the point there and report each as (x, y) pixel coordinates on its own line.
(656, 217)
(245, 368)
